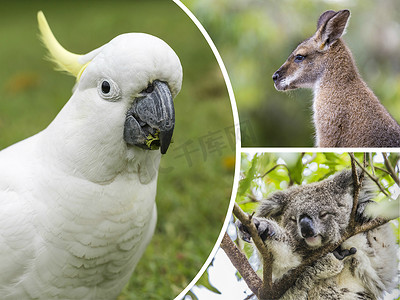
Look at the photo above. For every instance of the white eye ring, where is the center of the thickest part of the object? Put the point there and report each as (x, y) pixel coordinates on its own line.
(108, 89)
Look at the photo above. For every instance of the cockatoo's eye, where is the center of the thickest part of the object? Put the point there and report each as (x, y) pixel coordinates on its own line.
(105, 87)
(108, 90)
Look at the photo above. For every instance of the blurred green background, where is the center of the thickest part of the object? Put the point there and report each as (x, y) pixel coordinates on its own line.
(196, 174)
(255, 37)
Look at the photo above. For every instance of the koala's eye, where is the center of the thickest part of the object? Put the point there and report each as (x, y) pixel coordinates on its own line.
(299, 58)
(323, 214)
(293, 219)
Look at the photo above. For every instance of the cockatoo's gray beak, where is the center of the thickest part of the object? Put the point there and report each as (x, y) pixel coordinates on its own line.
(150, 121)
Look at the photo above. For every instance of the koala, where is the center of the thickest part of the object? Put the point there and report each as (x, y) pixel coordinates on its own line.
(301, 220)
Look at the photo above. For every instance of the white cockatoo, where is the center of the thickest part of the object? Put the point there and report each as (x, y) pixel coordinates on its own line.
(77, 200)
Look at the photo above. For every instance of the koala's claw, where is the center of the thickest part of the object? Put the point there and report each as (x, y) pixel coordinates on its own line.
(264, 229)
(243, 232)
(340, 253)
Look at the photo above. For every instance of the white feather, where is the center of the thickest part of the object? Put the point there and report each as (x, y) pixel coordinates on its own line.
(77, 205)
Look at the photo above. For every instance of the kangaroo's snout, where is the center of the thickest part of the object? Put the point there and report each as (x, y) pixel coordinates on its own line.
(279, 79)
(275, 77)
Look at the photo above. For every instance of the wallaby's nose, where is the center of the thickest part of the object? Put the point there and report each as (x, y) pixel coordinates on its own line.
(275, 77)
(306, 227)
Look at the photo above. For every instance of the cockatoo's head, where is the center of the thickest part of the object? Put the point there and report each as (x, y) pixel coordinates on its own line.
(135, 75)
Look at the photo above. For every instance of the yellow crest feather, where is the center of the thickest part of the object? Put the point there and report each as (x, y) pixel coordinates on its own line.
(65, 60)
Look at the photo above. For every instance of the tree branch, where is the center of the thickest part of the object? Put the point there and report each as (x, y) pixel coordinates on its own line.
(252, 199)
(391, 169)
(374, 223)
(357, 183)
(240, 262)
(266, 288)
(280, 286)
(273, 168)
(247, 222)
(286, 281)
(373, 178)
(381, 169)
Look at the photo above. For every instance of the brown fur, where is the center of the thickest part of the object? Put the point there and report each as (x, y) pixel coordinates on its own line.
(346, 111)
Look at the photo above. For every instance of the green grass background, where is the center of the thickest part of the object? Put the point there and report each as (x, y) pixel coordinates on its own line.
(193, 191)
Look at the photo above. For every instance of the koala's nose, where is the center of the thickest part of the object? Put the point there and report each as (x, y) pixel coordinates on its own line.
(275, 77)
(307, 226)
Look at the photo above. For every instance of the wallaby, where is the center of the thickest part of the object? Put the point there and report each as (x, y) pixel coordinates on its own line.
(346, 111)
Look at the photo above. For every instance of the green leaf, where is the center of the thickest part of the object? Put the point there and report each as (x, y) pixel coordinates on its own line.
(249, 207)
(245, 183)
(296, 172)
(193, 296)
(393, 158)
(205, 281)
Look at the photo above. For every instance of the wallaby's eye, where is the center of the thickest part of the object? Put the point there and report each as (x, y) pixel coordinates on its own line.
(293, 219)
(299, 58)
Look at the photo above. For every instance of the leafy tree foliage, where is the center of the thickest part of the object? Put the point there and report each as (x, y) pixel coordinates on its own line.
(264, 173)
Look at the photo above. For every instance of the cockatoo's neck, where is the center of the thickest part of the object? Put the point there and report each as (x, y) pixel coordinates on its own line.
(93, 147)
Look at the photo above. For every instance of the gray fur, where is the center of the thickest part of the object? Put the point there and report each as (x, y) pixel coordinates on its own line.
(327, 206)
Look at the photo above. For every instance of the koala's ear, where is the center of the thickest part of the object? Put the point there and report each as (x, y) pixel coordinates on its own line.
(344, 183)
(344, 180)
(367, 193)
(368, 190)
(273, 206)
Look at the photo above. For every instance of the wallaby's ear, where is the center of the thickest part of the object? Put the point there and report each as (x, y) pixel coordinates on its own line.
(325, 17)
(273, 206)
(331, 27)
